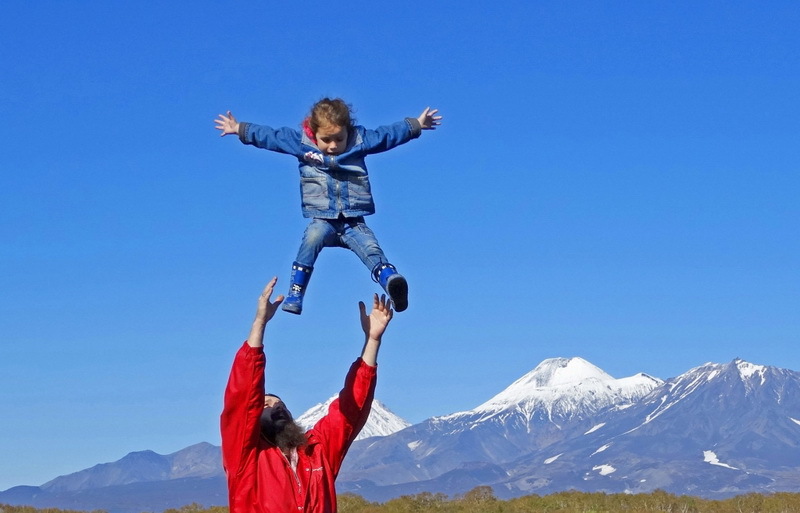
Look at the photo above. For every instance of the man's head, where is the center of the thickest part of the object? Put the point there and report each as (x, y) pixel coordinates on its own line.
(277, 425)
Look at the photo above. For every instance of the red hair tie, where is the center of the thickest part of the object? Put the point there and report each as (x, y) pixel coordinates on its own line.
(308, 131)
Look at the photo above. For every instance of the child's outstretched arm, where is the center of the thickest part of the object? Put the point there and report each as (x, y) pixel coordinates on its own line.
(428, 120)
(227, 124)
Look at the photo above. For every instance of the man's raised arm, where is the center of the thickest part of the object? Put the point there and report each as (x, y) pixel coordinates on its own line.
(348, 413)
(244, 401)
(265, 311)
(374, 325)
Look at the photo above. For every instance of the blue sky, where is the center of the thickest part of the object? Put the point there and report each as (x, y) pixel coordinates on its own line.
(615, 181)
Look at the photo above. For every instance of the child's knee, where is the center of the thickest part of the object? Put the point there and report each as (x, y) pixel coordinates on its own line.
(316, 234)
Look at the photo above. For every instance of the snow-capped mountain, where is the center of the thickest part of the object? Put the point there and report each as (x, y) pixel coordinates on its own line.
(714, 431)
(565, 388)
(381, 421)
(552, 402)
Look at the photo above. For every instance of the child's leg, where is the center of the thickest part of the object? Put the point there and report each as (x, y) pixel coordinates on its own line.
(360, 239)
(319, 233)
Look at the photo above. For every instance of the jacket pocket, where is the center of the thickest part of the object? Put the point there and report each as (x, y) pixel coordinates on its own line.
(359, 188)
(314, 191)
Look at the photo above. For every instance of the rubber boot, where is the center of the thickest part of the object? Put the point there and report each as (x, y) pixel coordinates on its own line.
(393, 283)
(294, 299)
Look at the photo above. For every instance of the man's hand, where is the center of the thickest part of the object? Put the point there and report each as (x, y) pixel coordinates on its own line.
(267, 308)
(374, 325)
(428, 120)
(378, 319)
(227, 124)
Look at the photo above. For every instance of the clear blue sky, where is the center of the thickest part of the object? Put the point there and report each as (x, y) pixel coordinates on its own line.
(613, 181)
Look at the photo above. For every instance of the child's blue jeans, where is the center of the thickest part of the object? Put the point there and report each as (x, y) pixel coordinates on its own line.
(351, 233)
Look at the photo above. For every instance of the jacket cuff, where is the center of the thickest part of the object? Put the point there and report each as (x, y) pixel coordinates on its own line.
(250, 350)
(413, 123)
(243, 126)
(364, 367)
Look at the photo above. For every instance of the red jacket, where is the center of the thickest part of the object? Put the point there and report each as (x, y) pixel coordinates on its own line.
(260, 479)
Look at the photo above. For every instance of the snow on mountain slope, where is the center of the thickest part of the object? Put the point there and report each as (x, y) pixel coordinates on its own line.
(733, 383)
(381, 421)
(556, 401)
(565, 387)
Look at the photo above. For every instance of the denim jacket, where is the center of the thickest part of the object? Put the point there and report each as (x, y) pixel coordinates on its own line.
(333, 185)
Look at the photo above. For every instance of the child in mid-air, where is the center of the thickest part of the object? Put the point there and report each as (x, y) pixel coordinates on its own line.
(334, 185)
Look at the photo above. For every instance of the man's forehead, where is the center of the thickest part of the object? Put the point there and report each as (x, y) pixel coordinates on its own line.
(271, 399)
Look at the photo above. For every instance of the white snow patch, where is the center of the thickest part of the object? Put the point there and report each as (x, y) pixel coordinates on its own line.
(747, 369)
(551, 460)
(794, 420)
(595, 428)
(603, 448)
(604, 469)
(711, 457)
(711, 375)
(414, 445)
(655, 413)
(381, 421)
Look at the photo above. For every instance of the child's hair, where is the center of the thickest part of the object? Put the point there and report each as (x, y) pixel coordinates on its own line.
(329, 111)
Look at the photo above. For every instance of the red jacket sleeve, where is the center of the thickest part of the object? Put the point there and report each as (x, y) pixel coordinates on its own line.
(239, 422)
(347, 414)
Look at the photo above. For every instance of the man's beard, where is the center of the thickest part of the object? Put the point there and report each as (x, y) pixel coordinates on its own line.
(279, 428)
(290, 436)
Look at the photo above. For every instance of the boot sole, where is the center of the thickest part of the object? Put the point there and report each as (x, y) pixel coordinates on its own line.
(398, 292)
(293, 309)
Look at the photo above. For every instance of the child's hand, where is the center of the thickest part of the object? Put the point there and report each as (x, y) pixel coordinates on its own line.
(227, 124)
(428, 120)
(314, 158)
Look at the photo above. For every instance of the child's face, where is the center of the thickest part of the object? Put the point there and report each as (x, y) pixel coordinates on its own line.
(331, 139)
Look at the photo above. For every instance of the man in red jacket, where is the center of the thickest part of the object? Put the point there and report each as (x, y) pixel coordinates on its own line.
(271, 465)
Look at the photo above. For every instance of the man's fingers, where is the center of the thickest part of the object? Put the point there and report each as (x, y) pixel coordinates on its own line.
(385, 305)
(267, 292)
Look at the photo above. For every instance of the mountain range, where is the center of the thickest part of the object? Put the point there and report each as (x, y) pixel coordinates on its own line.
(715, 431)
